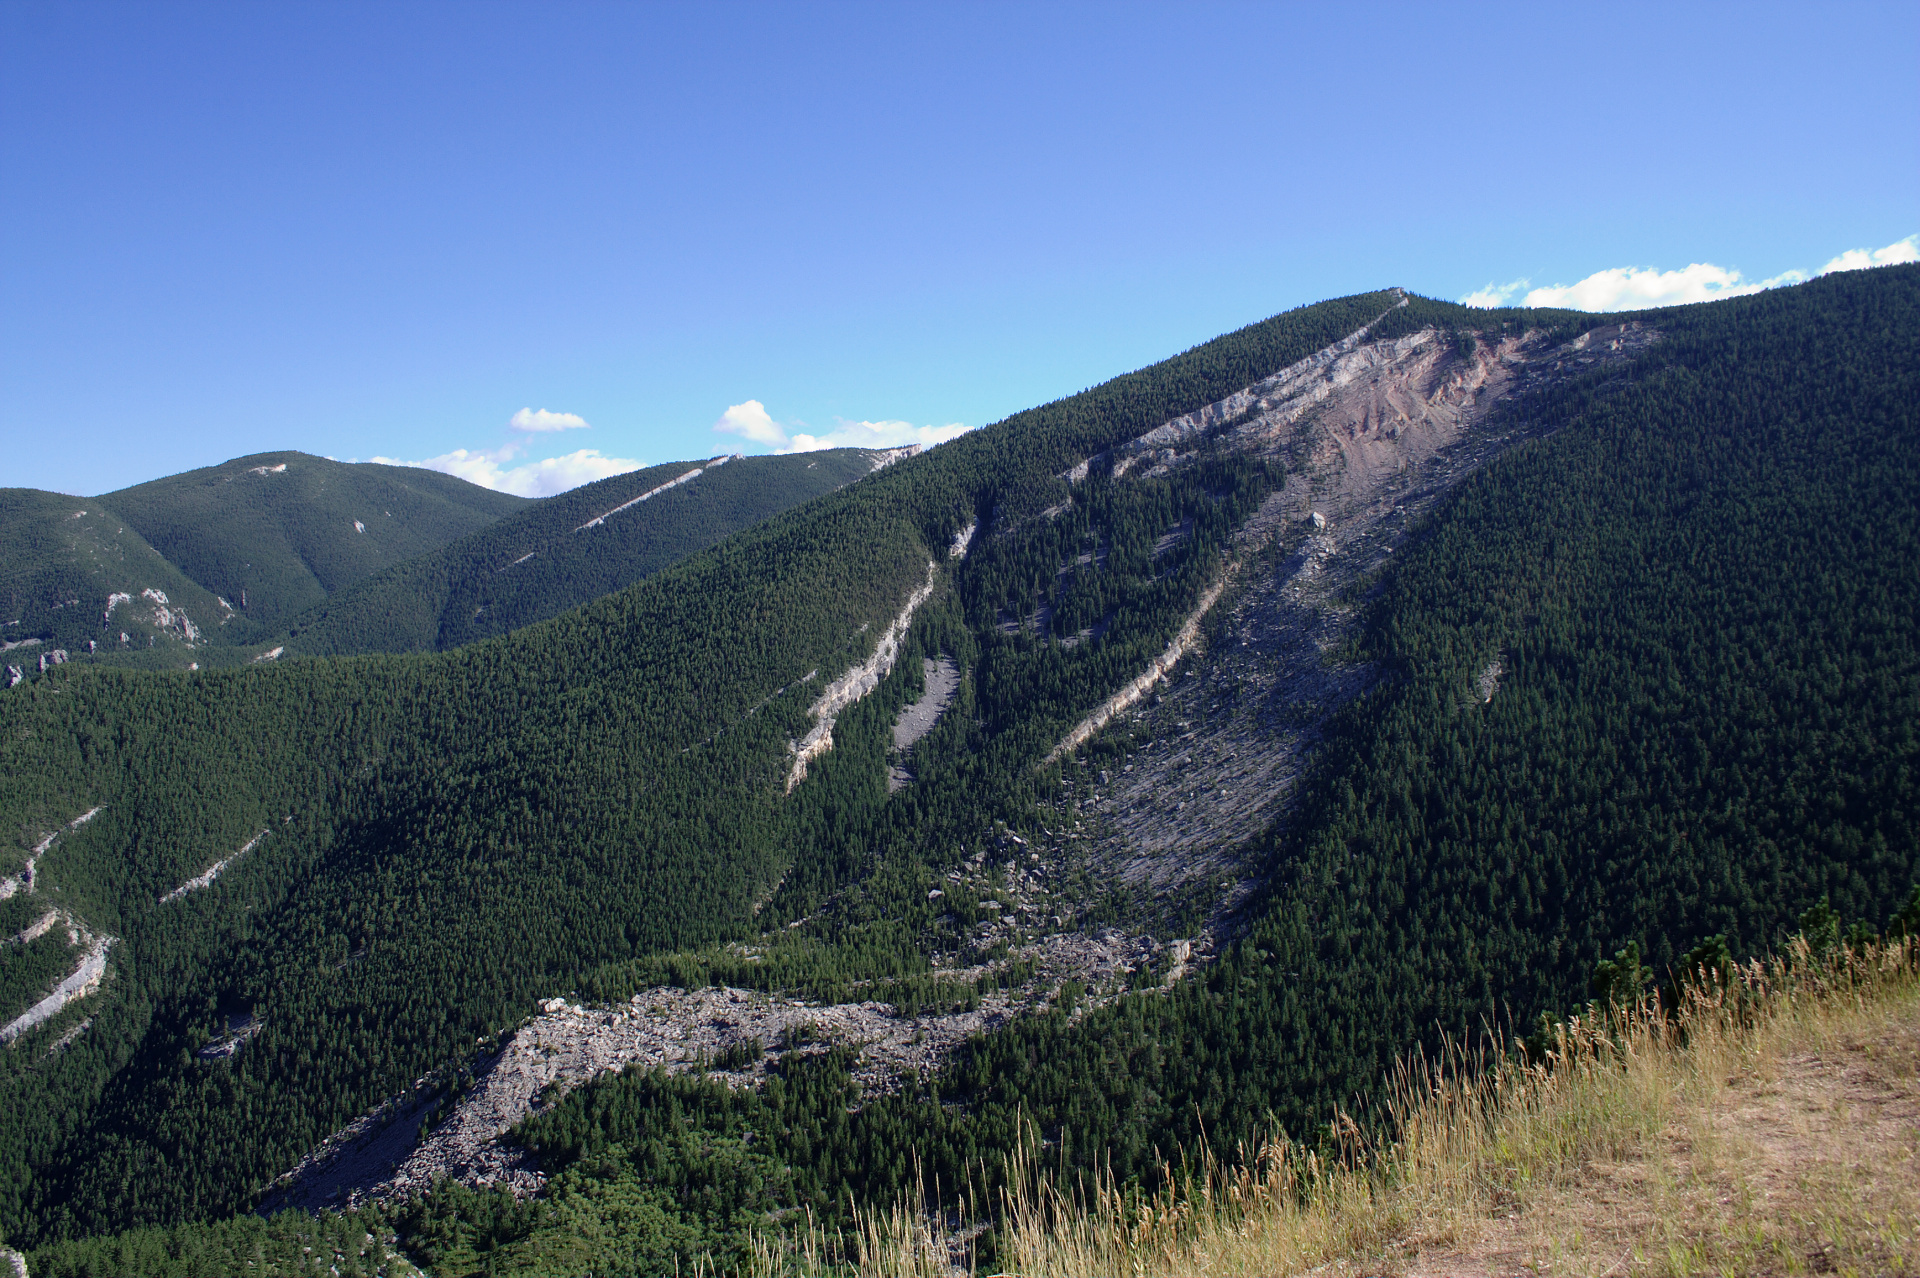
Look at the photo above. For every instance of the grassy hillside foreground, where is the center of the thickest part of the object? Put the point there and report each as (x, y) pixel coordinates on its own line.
(1764, 1127)
(1761, 1124)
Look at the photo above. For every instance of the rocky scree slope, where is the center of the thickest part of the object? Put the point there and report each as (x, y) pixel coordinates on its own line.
(1372, 439)
(1373, 434)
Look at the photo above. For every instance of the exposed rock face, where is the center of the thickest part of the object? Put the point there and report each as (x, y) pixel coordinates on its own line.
(887, 456)
(602, 518)
(168, 617)
(79, 983)
(212, 872)
(36, 929)
(856, 683)
(1182, 643)
(940, 679)
(9, 886)
(1373, 435)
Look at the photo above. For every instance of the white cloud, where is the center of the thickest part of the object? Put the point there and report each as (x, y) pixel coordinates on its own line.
(846, 434)
(1632, 288)
(542, 420)
(489, 469)
(1493, 294)
(1629, 288)
(752, 421)
(1907, 250)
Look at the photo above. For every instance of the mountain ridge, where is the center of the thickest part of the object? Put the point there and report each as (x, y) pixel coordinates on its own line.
(265, 532)
(1536, 580)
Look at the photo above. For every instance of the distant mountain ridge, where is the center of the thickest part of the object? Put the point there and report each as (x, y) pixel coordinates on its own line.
(74, 573)
(191, 568)
(276, 533)
(285, 553)
(564, 551)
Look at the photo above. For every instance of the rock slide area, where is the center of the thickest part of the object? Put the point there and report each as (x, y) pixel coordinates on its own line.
(1372, 438)
(384, 1157)
(940, 679)
(1373, 434)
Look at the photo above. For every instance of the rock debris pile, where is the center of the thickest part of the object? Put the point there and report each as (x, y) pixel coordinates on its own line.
(383, 1157)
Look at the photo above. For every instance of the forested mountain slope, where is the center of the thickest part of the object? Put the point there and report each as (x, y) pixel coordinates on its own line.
(74, 573)
(450, 837)
(1651, 678)
(1535, 684)
(565, 550)
(343, 538)
(277, 532)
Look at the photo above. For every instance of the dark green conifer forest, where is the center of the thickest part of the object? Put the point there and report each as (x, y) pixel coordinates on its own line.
(1696, 576)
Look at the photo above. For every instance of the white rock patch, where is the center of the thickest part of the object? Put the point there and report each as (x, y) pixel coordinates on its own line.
(82, 981)
(213, 872)
(856, 683)
(690, 476)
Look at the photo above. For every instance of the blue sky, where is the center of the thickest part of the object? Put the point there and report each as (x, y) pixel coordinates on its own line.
(385, 230)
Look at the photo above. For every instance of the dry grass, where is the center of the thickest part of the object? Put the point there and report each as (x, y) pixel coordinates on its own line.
(1772, 1127)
